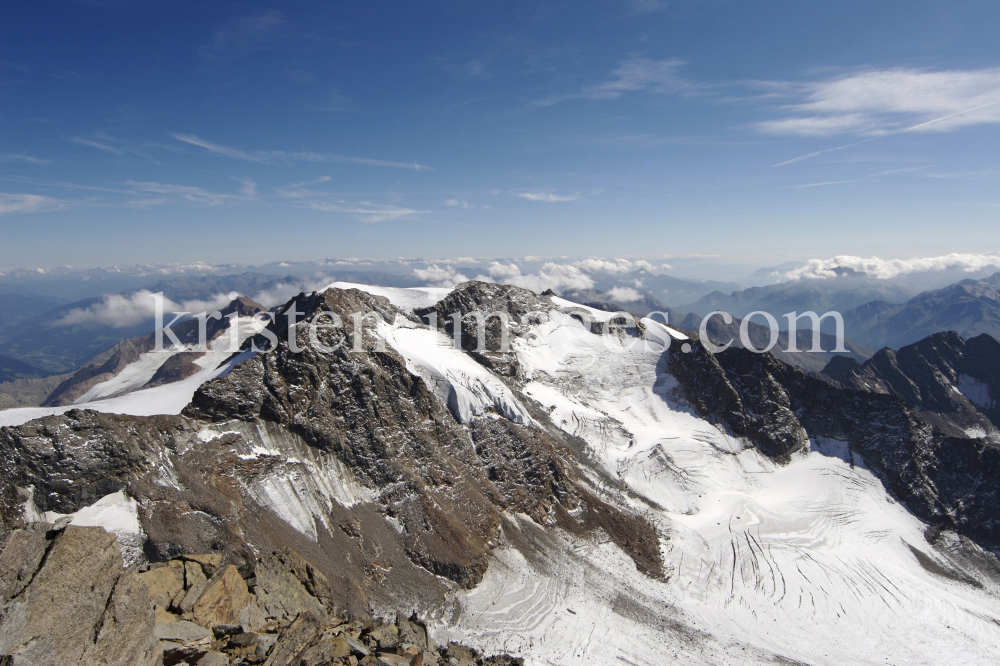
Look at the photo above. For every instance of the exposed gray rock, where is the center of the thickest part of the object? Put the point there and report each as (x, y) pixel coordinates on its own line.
(294, 640)
(182, 631)
(78, 603)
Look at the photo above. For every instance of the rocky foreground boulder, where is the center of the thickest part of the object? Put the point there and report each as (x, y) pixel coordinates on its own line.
(67, 600)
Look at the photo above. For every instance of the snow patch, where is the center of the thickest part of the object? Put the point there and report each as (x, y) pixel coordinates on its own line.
(976, 391)
(466, 387)
(409, 299)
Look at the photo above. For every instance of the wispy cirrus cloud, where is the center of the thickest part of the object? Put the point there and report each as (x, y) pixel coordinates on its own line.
(28, 203)
(366, 211)
(129, 194)
(635, 75)
(548, 197)
(281, 156)
(243, 36)
(247, 192)
(878, 102)
(95, 144)
(23, 158)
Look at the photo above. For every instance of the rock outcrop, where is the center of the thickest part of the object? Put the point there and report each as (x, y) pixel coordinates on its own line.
(66, 600)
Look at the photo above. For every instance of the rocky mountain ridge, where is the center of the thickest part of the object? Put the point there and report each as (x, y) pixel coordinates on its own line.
(603, 478)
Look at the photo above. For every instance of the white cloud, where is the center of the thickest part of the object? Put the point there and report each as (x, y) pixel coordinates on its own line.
(547, 196)
(894, 100)
(891, 268)
(457, 202)
(634, 75)
(624, 294)
(440, 277)
(504, 271)
(28, 203)
(557, 277)
(120, 310)
(613, 266)
(282, 292)
(666, 267)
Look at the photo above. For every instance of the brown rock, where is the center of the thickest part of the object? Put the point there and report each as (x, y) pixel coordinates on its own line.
(194, 582)
(281, 593)
(411, 632)
(326, 651)
(391, 659)
(183, 632)
(164, 583)
(210, 562)
(213, 659)
(387, 636)
(226, 600)
(164, 616)
(294, 639)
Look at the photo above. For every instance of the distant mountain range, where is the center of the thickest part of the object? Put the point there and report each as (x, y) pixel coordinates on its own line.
(970, 307)
(664, 288)
(820, 295)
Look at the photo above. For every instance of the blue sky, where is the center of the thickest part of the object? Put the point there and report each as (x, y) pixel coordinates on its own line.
(754, 133)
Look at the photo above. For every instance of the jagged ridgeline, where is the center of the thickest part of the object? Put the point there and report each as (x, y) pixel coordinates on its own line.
(562, 484)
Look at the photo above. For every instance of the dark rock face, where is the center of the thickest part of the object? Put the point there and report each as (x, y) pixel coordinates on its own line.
(485, 341)
(953, 382)
(73, 460)
(945, 480)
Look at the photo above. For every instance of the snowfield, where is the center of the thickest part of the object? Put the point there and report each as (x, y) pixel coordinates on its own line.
(813, 561)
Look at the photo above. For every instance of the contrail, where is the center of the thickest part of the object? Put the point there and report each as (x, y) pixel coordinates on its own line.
(908, 129)
(954, 115)
(820, 152)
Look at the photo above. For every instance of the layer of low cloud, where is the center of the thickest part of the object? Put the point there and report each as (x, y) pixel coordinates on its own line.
(557, 277)
(437, 276)
(612, 266)
(125, 310)
(892, 268)
(876, 102)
